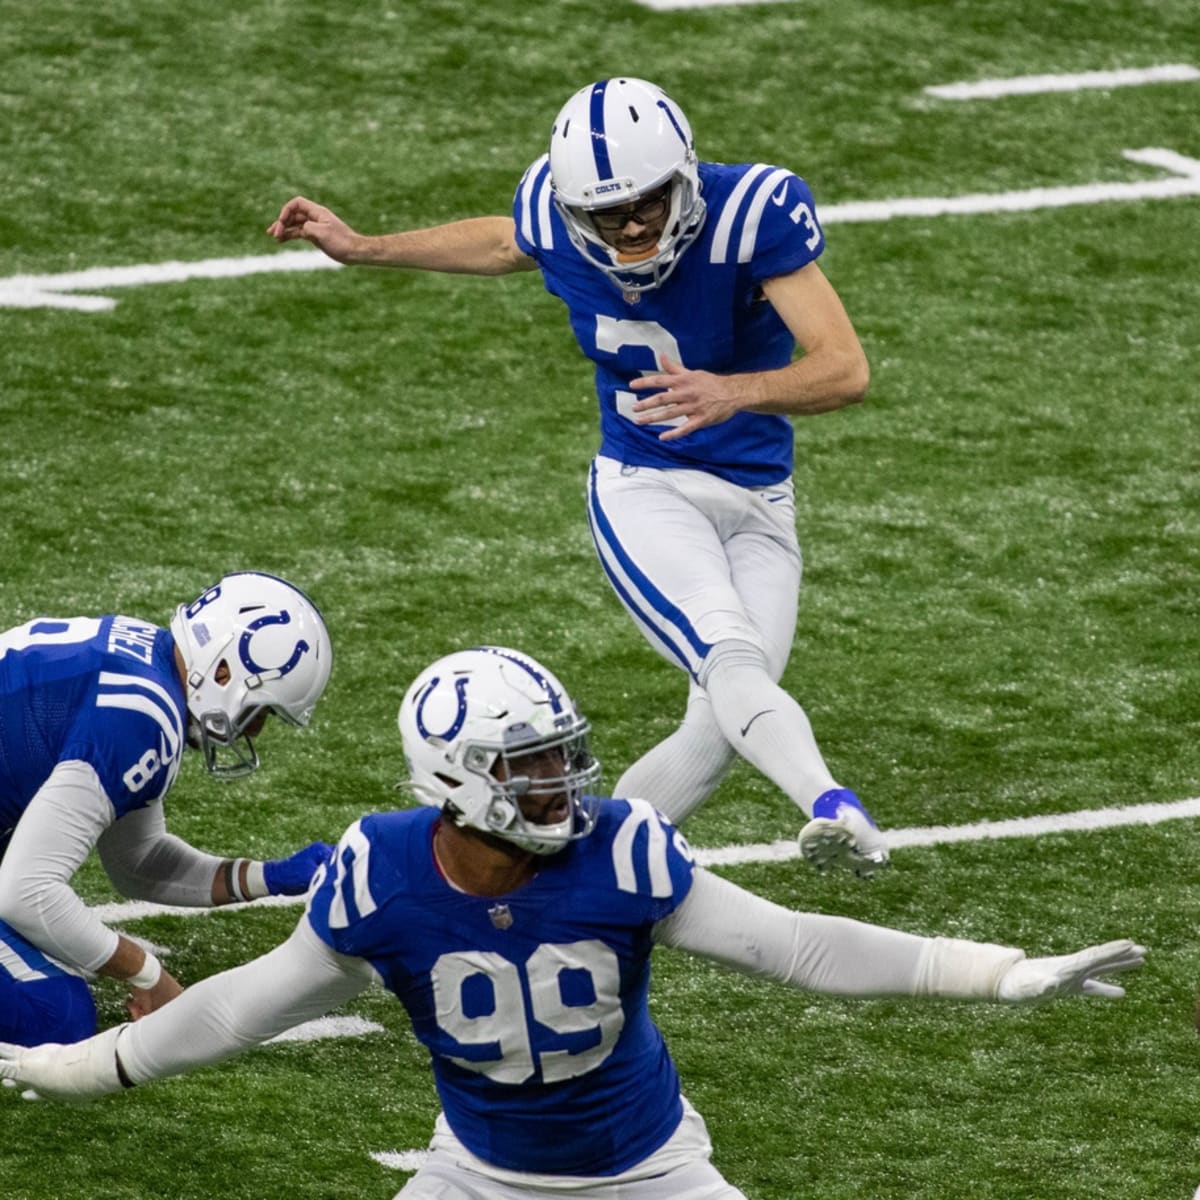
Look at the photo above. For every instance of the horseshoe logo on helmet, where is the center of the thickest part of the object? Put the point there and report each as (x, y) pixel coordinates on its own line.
(298, 651)
(460, 691)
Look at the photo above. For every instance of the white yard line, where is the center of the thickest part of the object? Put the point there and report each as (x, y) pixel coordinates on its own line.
(324, 1028)
(1031, 85)
(60, 291)
(980, 831)
(1084, 821)
(45, 291)
(1186, 183)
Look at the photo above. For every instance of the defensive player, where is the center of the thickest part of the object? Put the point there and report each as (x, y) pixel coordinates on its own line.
(514, 918)
(94, 716)
(688, 284)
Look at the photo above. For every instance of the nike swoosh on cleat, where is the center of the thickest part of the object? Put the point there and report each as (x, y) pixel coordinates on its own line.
(746, 727)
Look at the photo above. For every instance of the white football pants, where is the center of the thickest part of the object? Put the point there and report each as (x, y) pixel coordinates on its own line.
(678, 1170)
(710, 573)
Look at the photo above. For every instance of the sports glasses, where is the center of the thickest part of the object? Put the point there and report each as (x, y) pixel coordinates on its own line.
(645, 212)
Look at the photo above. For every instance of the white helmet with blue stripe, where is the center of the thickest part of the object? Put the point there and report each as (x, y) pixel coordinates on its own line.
(612, 143)
(251, 644)
(471, 720)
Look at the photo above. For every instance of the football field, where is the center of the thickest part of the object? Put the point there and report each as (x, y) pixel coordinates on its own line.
(999, 632)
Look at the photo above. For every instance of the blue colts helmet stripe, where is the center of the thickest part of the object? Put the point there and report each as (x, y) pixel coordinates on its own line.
(683, 137)
(531, 669)
(599, 139)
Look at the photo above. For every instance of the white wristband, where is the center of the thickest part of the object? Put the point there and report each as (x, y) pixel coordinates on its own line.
(256, 883)
(963, 970)
(148, 976)
(233, 880)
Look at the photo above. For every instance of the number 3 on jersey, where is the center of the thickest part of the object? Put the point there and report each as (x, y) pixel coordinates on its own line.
(612, 335)
(539, 984)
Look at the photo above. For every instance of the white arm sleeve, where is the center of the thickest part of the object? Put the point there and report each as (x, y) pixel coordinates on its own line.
(827, 954)
(54, 836)
(145, 862)
(227, 1013)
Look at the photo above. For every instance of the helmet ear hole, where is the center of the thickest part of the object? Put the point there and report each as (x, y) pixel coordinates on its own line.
(222, 674)
(502, 813)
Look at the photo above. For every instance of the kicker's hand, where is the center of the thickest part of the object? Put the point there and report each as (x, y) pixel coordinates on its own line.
(695, 399)
(301, 218)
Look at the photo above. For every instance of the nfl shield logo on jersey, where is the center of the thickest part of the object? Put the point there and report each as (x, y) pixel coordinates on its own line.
(501, 916)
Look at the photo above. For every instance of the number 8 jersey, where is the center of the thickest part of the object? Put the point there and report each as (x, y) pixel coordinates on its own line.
(532, 1004)
(101, 690)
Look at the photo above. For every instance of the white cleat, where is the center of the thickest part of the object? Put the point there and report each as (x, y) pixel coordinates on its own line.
(846, 839)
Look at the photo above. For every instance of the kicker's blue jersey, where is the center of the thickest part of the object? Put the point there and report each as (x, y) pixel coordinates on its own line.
(101, 689)
(710, 314)
(531, 1004)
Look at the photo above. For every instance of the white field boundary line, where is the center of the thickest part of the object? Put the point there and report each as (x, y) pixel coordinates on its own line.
(57, 291)
(1032, 85)
(1083, 821)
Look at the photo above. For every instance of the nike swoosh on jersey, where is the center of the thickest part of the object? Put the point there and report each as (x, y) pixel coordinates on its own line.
(780, 196)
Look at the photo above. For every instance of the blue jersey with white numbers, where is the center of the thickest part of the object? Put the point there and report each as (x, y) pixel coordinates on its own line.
(531, 1004)
(100, 689)
(710, 314)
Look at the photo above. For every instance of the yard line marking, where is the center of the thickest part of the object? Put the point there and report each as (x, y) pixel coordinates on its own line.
(1031, 85)
(1186, 183)
(1082, 821)
(400, 1160)
(56, 291)
(324, 1028)
(43, 291)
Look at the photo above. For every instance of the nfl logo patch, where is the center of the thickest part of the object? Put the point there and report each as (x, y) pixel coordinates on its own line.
(501, 916)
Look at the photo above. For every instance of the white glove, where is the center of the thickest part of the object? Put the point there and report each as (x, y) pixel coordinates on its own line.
(75, 1072)
(1039, 978)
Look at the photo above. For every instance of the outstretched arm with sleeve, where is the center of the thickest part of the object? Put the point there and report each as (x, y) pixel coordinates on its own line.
(475, 246)
(215, 1019)
(145, 862)
(850, 958)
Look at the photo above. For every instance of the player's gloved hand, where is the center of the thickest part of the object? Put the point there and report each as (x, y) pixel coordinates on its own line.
(291, 876)
(1040, 978)
(842, 834)
(75, 1072)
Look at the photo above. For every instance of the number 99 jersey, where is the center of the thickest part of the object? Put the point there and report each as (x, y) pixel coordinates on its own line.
(532, 1004)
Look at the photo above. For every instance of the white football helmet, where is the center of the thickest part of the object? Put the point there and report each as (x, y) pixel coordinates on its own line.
(479, 709)
(272, 642)
(613, 142)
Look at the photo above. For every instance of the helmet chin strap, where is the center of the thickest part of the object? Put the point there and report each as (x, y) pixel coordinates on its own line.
(624, 256)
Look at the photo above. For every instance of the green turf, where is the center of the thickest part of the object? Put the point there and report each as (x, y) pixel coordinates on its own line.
(1000, 613)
